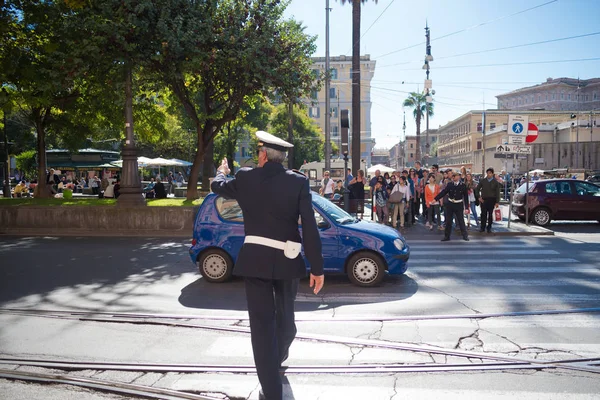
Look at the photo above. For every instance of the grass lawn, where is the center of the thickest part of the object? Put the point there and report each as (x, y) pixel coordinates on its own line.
(93, 201)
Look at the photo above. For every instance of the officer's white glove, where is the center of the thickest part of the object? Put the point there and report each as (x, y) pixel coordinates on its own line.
(224, 168)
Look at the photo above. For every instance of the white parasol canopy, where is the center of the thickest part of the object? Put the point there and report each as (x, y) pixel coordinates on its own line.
(382, 168)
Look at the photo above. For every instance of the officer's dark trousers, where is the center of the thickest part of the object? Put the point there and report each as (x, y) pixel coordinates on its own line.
(455, 210)
(487, 212)
(272, 326)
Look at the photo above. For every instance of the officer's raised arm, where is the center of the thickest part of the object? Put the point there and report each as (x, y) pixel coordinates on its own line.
(221, 185)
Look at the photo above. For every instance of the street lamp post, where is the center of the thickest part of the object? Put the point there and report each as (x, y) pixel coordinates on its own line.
(428, 99)
(131, 185)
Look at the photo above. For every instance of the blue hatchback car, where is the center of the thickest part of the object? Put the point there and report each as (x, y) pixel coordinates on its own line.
(365, 251)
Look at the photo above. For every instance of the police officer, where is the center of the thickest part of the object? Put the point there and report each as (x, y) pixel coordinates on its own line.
(458, 201)
(272, 198)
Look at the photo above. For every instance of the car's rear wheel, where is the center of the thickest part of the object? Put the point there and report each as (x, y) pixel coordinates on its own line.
(215, 265)
(541, 216)
(365, 269)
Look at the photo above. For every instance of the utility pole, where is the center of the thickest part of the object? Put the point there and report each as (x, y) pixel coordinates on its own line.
(577, 129)
(327, 100)
(428, 98)
(403, 142)
(483, 142)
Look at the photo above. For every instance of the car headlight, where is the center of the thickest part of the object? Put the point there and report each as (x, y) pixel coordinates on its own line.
(399, 244)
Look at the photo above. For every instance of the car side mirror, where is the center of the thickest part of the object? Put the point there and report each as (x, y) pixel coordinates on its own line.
(323, 224)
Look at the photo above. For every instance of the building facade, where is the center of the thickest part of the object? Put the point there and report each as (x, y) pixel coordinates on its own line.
(573, 141)
(561, 94)
(340, 97)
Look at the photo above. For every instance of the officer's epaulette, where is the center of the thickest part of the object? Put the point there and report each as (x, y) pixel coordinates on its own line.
(299, 173)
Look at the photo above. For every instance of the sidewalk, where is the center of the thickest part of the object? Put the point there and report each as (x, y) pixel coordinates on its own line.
(517, 228)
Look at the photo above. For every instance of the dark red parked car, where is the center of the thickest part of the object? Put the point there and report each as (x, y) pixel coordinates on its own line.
(558, 199)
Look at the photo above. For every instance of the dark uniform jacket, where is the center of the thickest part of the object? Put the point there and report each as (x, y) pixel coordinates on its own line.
(272, 198)
(487, 189)
(455, 192)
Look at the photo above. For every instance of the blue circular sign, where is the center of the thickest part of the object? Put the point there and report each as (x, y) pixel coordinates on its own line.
(517, 128)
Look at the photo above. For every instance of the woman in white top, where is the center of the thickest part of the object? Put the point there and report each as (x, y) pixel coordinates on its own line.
(403, 188)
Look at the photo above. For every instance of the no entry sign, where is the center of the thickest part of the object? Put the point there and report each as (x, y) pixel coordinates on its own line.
(532, 133)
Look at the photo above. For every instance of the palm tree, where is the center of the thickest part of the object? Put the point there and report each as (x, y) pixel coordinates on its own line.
(418, 102)
(355, 82)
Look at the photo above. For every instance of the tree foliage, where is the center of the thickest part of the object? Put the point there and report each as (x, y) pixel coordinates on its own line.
(215, 55)
(308, 140)
(418, 103)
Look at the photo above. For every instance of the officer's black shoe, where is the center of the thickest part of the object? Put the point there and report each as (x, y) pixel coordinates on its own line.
(482, 230)
(466, 239)
(261, 395)
(489, 231)
(446, 239)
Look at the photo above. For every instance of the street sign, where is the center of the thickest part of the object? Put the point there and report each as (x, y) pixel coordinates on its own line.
(513, 148)
(518, 124)
(514, 139)
(510, 156)
(532, 133)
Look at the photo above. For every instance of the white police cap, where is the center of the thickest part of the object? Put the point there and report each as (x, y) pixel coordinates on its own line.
(267, 140)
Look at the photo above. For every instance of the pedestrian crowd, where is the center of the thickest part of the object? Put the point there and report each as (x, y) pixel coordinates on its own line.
(403, 198)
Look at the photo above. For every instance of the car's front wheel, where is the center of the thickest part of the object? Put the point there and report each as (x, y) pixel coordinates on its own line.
(365, 269)
(215, 265)
(541, 216)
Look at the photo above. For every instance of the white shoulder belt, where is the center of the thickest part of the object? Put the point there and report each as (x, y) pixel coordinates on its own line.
(290, 249)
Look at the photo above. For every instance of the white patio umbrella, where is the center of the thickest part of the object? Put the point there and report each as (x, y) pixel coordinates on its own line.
(181, 163)
(382, 168)
(142, 162)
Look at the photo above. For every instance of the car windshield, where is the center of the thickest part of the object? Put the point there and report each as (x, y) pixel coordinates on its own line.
(523, 188)
(332, 211)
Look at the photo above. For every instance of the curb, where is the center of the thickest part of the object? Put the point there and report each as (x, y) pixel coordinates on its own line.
(90, 233)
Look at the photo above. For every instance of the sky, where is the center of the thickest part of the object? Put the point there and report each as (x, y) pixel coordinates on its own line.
(393, 34)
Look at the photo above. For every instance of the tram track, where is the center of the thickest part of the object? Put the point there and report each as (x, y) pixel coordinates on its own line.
(144, 319)
(75, 365)
(121, 388)
(305, 319)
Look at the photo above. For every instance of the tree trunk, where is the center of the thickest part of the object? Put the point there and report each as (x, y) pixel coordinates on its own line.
(6, 188)
(291, 135)
(418, 150)
(40, 190)
(355, 86)
(230, 153)
(192, 187)
(209, 164)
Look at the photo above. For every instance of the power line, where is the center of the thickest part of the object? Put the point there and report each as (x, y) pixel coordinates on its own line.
(471, 27)
(508, 64)
(520, 45)
(500, 48)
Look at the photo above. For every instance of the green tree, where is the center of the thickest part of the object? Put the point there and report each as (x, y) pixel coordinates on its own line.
(253, 116)
(215, 55)
(418, 103)
(356, 11)
(308, 140)
(37, 63)
(26, 163)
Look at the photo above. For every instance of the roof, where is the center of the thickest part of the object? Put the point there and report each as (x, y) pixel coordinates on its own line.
(565, 81)
(89, 151)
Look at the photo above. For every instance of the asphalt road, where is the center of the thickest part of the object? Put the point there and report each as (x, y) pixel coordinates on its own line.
(454, 279)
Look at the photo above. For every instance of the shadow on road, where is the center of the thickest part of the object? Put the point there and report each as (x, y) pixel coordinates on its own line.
(336, 292)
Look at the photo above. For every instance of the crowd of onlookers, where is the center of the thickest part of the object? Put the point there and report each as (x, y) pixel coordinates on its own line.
(402, 198)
